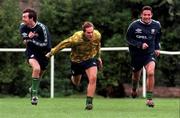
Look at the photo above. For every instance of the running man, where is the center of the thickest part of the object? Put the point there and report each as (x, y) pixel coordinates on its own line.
(85, 57)
(37, 39)
(143, 37)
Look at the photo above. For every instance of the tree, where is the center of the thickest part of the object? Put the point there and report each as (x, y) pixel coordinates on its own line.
(12, 74)
(64, 17)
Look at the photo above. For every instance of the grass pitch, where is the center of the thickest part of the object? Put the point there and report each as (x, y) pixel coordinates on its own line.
(103, 108)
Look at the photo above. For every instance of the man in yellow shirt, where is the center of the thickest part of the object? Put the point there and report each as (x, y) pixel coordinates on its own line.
(85, 57)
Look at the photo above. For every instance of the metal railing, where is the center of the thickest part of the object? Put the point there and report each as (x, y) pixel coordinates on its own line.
(102, 49)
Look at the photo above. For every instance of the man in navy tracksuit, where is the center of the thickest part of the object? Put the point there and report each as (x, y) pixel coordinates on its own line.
(143, 36)
(37, 39)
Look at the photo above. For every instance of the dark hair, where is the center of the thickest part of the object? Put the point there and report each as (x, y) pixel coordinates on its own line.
(146, 8)
(32, 13)
(87, 24)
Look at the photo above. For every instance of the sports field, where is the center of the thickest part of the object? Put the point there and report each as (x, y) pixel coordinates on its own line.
(103, 108)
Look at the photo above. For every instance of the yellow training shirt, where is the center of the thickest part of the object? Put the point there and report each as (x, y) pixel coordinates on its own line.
(81, 48)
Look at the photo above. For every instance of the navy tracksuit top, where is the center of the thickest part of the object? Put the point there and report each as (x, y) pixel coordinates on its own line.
(139, 33)
(40, 44)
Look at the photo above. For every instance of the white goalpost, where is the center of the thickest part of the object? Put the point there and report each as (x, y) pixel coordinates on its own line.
(102, 49)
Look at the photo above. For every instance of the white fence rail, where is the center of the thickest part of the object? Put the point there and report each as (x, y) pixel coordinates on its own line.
(103, 49)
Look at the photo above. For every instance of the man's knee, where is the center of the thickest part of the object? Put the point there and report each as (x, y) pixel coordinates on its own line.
(76, 80)
(136, 75)
(150, 74)
(92, 80)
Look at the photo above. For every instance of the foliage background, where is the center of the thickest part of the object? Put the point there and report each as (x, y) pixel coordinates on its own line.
(63, 18)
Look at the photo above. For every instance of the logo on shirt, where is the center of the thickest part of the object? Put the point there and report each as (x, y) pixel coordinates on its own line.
(138, 30)
(153, 31)
(141, 37)
(24, 34)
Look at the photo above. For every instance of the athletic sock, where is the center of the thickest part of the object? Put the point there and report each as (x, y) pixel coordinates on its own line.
(89, 100)
(149, 95)
(134, 85)
(35, 86)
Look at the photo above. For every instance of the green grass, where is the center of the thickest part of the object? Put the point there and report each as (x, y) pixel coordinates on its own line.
(103, 108)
